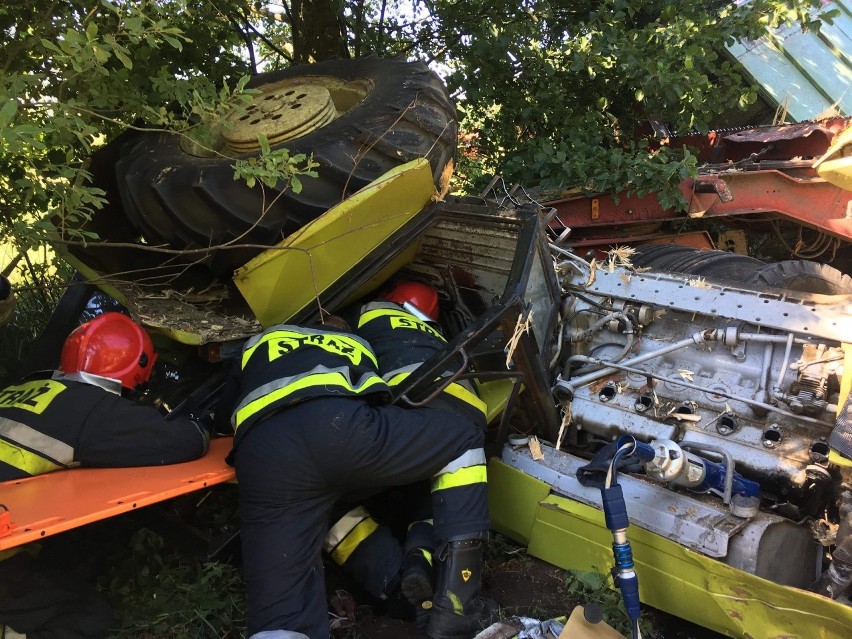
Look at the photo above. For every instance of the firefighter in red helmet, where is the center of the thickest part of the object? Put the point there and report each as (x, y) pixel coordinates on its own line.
(78, 417)
(439, 573)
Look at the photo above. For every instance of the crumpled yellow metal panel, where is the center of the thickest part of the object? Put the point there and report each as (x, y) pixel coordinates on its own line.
(672, 578)
(845, 388)
(288, 277)
(835, 165)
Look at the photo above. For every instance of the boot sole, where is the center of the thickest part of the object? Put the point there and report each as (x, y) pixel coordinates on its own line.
(416, 587)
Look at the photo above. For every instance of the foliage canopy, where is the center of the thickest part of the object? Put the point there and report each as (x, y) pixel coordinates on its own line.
(550, 92)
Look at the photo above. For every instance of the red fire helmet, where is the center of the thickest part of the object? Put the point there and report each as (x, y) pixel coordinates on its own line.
(415, 296)
(111, 345)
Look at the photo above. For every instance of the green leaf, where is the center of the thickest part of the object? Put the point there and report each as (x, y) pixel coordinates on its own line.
(296, 185)
(174, 42)
(122, 57)
(7, 113)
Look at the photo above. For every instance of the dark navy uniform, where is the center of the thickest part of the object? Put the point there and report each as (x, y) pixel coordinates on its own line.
(401, 343)
(52, 424)
(310, 430)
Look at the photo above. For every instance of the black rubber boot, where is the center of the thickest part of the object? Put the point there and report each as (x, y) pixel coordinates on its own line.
(418, 576)
(458, 610)
(418, 585)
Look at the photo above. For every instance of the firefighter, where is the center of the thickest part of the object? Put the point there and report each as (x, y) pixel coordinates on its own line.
(79, 417)
(401, 326)
(312, 427)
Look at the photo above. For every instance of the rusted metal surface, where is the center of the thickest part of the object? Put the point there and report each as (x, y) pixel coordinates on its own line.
(812, 202)
(762, 170)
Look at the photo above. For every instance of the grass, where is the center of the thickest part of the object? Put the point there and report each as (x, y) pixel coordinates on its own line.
(161, 582)
(168, 595)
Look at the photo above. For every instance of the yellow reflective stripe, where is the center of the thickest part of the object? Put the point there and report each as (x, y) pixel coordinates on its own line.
(380, 312)
(352, 540)
(456, 390)
(38, 443)
(460, 392)
(343, 527)
(26, 461)
(469, 458)
(317, 379)
(462, 477)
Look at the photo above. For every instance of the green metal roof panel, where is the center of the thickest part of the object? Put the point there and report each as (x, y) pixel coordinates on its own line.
(807, 72)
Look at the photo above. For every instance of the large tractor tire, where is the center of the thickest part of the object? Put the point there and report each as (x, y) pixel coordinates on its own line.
(804, 277)
(801, 276)
(692, 261)
(358, 119)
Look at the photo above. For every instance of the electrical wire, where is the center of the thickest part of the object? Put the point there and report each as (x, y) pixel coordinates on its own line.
(818, 247)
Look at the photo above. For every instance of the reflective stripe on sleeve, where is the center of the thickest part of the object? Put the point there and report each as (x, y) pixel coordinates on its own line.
(280, 389)
(466, 469)
(395, 378)
(42, 454)
(472, 457)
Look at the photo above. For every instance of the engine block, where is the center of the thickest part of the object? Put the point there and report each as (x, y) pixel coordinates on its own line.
(754, 373)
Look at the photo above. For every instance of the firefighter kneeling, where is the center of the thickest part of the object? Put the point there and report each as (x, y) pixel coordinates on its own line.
(312, 427)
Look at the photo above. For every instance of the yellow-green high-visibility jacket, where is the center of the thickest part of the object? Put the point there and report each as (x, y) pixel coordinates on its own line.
(286, 364)
(402, 342)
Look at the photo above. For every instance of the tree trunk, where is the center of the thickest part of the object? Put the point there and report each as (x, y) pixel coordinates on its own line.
(317, 32)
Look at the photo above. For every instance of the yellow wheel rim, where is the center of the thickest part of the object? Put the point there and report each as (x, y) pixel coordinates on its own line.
(290, 109)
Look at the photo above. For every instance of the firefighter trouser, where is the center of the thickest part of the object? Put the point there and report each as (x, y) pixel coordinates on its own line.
(293, 466)
(366, 550)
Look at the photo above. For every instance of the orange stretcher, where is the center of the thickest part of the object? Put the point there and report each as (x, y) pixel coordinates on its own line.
(37, 507)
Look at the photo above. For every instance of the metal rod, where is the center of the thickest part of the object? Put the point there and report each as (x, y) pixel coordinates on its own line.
(609, 367)
(566, 387)
(729, 465)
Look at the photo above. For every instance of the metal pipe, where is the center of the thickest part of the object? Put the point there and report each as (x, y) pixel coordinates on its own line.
(583, 335)
(762, 393)
(729, 465)
(762, 337)
(777, 387)
(568, 387)
(570, 255)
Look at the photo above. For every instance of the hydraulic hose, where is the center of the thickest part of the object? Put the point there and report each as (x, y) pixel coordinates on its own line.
(615, 515)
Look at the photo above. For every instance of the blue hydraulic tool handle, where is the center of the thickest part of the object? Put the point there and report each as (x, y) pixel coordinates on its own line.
(615, 514)
(666, 461)
(714, 479)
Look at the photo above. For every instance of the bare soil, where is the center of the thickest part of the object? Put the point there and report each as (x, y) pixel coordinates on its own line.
(528, 587)
(523, 586)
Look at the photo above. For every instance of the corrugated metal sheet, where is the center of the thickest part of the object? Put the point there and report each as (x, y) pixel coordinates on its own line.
(808, 73)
